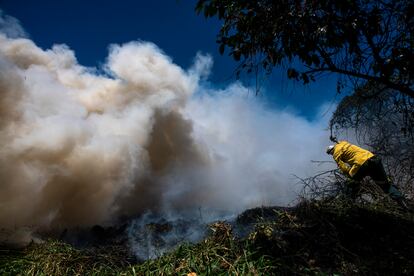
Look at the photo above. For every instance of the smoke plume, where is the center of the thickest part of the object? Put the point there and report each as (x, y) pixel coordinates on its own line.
(82, 146)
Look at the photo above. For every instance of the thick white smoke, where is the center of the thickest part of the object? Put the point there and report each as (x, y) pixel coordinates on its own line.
(81, 146)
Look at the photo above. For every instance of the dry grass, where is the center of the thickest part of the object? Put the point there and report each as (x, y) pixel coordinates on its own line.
(331, 235)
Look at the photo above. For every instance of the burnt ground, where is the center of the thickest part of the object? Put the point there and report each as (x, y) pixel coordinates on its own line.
(313, 237)
(333, 237)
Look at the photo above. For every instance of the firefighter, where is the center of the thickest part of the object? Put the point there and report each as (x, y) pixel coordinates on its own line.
(357, 163)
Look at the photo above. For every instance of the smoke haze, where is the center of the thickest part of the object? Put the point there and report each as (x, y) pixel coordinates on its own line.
(82, 146)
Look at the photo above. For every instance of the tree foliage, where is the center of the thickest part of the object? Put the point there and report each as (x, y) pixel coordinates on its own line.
(363, 40)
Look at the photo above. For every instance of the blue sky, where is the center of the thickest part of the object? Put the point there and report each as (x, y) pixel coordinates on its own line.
(88, 27)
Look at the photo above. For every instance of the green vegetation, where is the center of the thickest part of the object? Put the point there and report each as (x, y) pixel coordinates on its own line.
(57, 258)
(314, 238)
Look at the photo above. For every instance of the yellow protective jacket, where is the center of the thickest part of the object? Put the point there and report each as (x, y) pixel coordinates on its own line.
(350, 157)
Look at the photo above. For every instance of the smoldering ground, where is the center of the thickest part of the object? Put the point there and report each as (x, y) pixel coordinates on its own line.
(83, 146)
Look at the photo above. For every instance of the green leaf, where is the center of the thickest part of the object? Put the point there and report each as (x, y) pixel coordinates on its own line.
(236, 55)
(292, 73)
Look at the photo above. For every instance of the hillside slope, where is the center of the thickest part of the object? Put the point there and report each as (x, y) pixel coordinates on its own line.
(315, 237)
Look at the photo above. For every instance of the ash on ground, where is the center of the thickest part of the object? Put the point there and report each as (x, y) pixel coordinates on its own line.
(152, 235)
